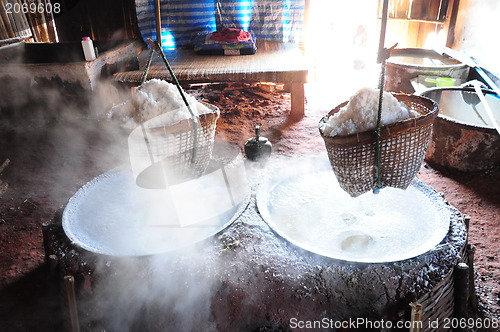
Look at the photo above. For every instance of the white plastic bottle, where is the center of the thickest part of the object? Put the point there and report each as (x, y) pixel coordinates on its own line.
(88, 49)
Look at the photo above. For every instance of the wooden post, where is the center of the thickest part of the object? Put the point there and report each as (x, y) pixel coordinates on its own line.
(69, 282)
(46, 241)
(461, 289)
(383, 28)
(452, 21)
(472, 287)
(416, 317)
(297, 96)
(467, 222)
(158, 21)
(54, 290)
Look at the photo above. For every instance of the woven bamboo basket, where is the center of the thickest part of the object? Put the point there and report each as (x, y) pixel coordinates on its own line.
(402, 149)
(183, 149)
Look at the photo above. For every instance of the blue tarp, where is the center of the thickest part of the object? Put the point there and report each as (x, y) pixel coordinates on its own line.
(183, 20)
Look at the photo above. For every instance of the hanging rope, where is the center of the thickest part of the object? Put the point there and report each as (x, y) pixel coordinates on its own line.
(148, 65)
(194, 118)
(143, 79)
(381, 58)
(384, 55)
(378, 182)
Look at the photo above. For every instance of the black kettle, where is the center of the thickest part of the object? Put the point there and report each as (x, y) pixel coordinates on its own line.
(258, 148)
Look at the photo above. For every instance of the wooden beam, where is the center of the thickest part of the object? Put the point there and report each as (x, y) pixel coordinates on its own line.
(158, 21)
(452, 21)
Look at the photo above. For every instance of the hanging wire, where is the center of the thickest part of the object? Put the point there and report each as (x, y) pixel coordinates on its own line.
(172, 75)
(383, 56)
(148, 65)
(378, 182)
(194, 118)
(143, 79)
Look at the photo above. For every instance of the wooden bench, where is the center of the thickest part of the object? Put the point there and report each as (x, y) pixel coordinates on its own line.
(273, 62)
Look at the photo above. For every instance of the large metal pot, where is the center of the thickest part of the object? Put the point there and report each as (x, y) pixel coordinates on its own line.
(464, 137)
(407, 64)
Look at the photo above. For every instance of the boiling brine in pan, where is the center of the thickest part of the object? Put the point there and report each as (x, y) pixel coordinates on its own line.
(312, 211)
(113, 215)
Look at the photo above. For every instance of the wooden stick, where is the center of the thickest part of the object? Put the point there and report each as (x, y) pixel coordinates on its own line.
(479, 92)
(158, 21)
(297, 95)
(461, 289)
(467, 221)
(148, 65)
(383, 28)
(416, 317)
(69, 282)
(471, 249)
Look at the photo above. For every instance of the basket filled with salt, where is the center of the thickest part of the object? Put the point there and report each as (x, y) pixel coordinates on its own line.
(351, 143)
(169, 135)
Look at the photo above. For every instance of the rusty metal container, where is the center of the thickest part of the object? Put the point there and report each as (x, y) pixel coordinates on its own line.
(407, 64)
(464, 138)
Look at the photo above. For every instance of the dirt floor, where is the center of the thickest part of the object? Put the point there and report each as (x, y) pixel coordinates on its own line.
(42, 166)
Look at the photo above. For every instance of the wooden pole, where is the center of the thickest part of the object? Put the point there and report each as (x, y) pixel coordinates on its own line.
(297, 94)
(461, 290)
(467, 222)
(416, 317)
(69, 282)
(383, 28)
(472, 287)
(452, 21)
(158, 21)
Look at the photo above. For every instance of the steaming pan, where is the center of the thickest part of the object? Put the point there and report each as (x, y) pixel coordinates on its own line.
(113, 215)
(306, 206)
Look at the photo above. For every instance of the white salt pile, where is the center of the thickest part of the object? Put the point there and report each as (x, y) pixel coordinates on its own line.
(361, 112)
(156, 97)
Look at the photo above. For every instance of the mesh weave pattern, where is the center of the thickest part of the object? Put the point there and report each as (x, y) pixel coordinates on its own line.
(402, 150)
(173, 145)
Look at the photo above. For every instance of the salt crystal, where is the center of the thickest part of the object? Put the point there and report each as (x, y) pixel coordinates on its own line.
(156, 97)
(361, 113)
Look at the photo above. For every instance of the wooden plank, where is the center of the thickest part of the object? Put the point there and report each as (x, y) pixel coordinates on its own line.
(451, 22)
(273, 62)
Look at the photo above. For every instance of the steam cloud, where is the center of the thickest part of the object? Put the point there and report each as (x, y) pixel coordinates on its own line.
(170, 292)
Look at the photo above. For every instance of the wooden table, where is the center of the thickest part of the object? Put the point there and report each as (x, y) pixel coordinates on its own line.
(273, 62)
